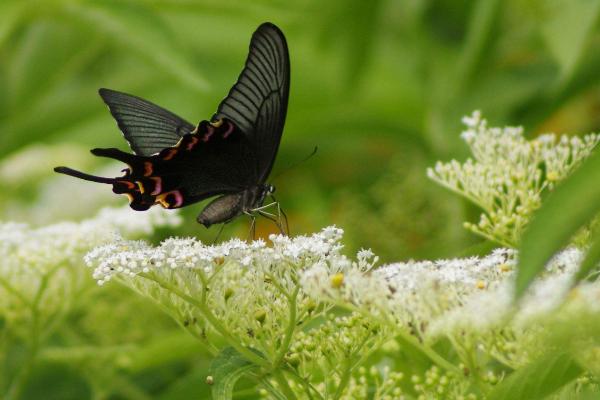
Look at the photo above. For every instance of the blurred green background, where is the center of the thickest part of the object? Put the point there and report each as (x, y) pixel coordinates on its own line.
(379, 86)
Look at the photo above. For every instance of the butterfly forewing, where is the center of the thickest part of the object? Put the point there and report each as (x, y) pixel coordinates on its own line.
(147, 127)
(257, 103)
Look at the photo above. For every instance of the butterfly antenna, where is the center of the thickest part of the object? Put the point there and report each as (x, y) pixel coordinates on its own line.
(83, 175)
(294, 165)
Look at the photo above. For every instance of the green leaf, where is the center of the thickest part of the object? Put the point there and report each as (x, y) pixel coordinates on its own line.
(592, 258)
(479, 38)
(225, 370)
(538, 379)
(566, 30)
(10, 14)
(165, 350)
(143, 32)
(574, 203)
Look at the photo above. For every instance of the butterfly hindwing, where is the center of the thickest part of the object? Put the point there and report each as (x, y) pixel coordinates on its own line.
(257, 103)
(147, 127)
(213, 160)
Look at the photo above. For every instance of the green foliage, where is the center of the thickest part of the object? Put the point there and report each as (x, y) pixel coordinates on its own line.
(226, 368)
(567, 46)
(572, 205)
(592, 259)
(538, 380)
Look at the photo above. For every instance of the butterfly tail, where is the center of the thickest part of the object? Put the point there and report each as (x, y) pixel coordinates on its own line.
(83, 175)
(137, 200)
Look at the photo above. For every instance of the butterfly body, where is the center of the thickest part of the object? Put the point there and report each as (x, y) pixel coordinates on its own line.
(176, 163)
(227, 207)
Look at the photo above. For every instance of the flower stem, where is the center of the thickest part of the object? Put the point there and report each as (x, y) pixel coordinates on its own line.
(16, 386)
(216, 324)
(283, 384)
(304, 382)
(343, 380)
(289, 332)
(426, 350)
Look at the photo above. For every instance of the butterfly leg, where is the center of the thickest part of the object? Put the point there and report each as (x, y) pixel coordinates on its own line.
(218, 234)
(285, 219)
(252, 232)
(271, 217)
(280, 213)
(261, 208)
(276, 218)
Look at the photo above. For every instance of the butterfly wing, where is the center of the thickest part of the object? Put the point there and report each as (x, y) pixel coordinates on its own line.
(147, 127)
(257, 103)
(213, 160)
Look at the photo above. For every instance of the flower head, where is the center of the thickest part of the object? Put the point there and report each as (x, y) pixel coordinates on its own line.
(507, 174)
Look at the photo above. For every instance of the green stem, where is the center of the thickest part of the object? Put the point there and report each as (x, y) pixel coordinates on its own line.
(468, 357)
(284, 385)
(427, 351)
(264, 381)
(353, 361)
(491, 238)
(14, 291)
(273, 281)
(408, 338)
(460, 193)
(289, 332)
(16, 386)
(343, 380)
(216, 324)
(304, 382)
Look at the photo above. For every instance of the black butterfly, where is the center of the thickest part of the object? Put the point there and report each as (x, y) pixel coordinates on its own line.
(176, 163)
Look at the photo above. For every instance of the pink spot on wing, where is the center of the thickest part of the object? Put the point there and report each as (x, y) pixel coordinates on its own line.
(229, 130)
(178, 198)
(208, 134)
(157, 185)
(192, 143)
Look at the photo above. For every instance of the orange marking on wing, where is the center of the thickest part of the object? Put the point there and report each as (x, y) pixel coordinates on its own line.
(171, 154)
(130, 185)
(161, 199)
(129, 196)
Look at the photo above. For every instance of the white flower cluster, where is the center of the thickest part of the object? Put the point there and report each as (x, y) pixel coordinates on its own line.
(130, 258)
(275, 299)
(456, 297)
(507, 174)
(249, 289)
(411, 294)
(41, 264)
